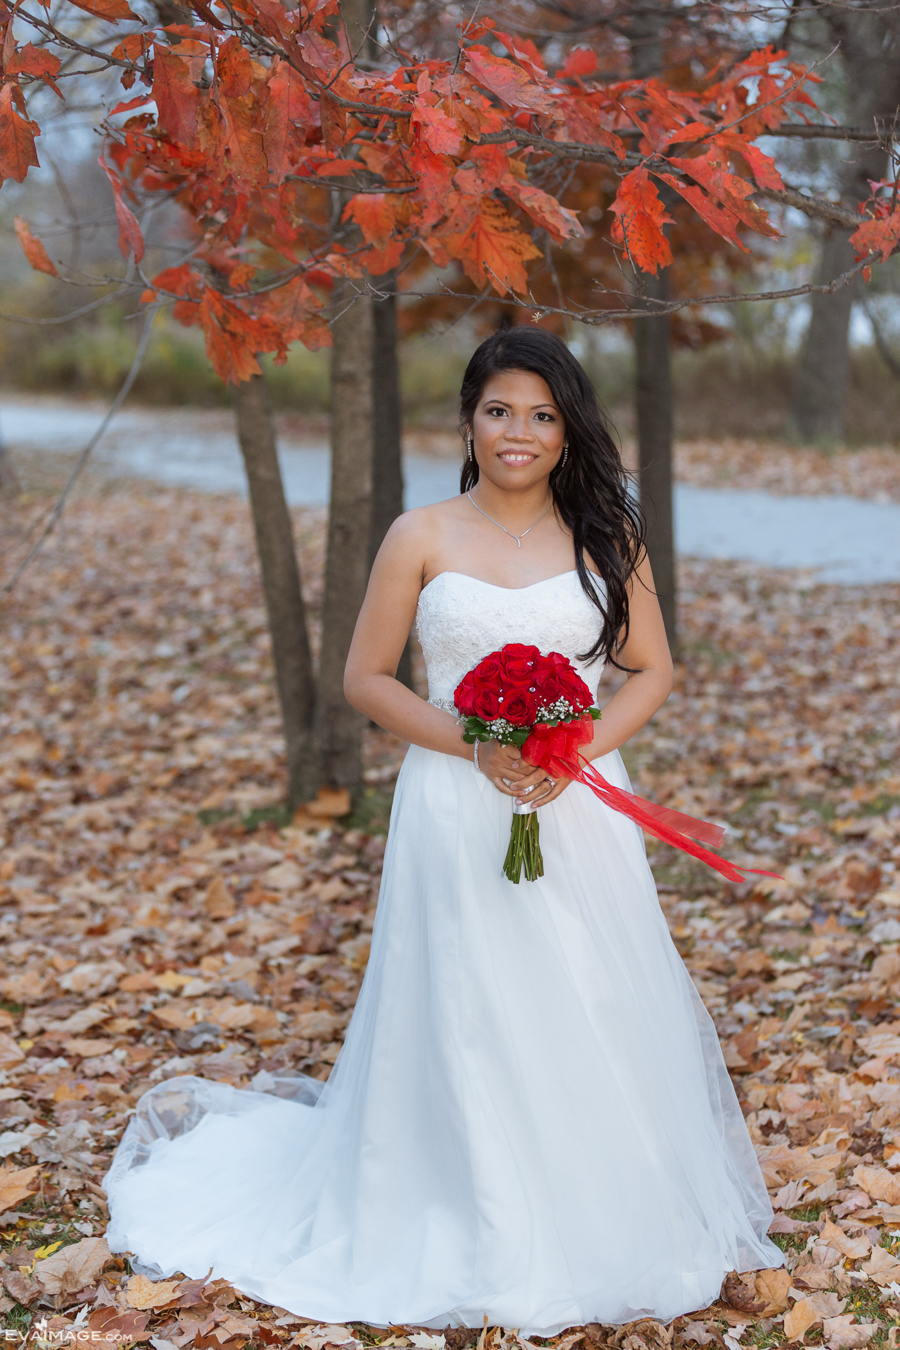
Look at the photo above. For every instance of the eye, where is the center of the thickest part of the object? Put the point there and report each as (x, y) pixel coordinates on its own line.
(496, 411)
(547, 417)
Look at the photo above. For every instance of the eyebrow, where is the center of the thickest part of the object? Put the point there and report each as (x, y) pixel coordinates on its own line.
(533, 406)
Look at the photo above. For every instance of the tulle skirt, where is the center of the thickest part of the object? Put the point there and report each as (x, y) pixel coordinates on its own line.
(530, 1118)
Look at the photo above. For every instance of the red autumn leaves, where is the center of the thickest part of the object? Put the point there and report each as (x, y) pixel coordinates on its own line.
(516, 682)
(437, 159)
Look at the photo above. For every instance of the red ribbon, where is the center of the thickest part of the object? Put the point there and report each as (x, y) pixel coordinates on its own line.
(556, 750)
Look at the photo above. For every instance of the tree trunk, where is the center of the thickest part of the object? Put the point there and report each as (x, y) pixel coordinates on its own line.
(281, 584)
(653, 392)
(869, 46)
(653, 370)
(387, 468)
(820, 384)
(339, 728)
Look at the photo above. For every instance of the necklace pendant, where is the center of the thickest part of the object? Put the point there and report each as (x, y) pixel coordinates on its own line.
(518, 541)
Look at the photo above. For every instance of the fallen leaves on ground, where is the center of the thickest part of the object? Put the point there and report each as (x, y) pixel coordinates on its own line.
(162, 918)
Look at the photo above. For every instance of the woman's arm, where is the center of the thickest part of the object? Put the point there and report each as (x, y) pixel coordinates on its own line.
(387, 614)
(370, 683)
(647, 653)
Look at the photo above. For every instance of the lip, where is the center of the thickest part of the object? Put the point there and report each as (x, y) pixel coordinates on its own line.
(517, 457)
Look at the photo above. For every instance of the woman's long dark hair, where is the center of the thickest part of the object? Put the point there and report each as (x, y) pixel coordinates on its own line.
(591, 490)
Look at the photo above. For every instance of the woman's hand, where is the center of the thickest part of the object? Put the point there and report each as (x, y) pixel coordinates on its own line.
(514, 777)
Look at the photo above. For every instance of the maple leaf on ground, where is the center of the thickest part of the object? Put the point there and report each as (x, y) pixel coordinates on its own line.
(16, 1183)
(640, 218)
(493, 248)
(17, 152)
(130, 237)
(142, 1293)
(507, 80)
(73, 1267)
(33, 248)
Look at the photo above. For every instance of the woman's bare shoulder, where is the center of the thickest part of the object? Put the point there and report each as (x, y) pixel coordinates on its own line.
(424, 523)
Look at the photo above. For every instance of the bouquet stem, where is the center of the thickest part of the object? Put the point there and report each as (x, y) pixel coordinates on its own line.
(524, 849)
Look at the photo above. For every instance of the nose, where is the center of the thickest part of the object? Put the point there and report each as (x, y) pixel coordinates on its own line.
(518, 430)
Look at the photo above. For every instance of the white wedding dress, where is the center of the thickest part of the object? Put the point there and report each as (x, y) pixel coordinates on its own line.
(530, 1118)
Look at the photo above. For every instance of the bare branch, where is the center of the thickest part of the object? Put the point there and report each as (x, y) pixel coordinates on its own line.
(651, 307)
(114, 407)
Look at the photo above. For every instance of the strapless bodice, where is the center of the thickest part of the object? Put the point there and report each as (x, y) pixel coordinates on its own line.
(460, 620)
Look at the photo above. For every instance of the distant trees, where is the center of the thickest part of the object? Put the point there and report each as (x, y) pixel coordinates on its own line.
(324, 168)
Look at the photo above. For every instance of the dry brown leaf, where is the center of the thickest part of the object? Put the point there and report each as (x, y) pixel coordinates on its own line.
(218, 901)
(878, 1182)
(10, 1053)
(16, 1183)
(881, 1267)
(799, 1319)
(855, 1248)
(740, 1292)
(73, 1268)
(143, 1293)
(845, 1333)
(772, 1290)
(21, 1287)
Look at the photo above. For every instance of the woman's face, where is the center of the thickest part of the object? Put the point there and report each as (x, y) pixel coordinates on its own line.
(518, 430)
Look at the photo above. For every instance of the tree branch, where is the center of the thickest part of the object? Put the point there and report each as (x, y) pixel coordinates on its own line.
(114, 407)
(651, 308)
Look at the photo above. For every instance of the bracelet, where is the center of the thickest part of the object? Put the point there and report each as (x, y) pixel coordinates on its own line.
(475, 756)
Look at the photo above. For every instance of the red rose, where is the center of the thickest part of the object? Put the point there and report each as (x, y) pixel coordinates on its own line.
(487, 702)
(512, 684)
(548, 686)
(464, 697)
(489, 668)
(520, 708)
(518, 651)
(574, 688)
(518, 663)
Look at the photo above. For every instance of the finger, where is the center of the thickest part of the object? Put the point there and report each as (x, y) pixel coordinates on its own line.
(531, 780)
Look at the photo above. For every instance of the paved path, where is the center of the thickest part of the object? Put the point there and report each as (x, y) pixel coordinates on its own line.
(842, 538)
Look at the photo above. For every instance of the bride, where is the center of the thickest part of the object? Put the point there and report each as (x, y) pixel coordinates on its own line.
(530, 1119)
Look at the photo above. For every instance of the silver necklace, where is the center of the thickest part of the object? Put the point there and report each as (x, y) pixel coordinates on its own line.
(518, 537)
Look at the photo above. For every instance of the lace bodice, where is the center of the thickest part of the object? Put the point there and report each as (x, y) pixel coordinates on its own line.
(460, 619)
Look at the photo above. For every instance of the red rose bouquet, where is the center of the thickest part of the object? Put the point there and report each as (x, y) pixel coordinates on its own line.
(516, 696)
(541, 704)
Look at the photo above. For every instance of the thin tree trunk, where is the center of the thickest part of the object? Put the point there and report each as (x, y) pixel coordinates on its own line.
(387, 467)
(339, 727)
(653, 369)
(653, 359)
(820, 383)
(281, 584)
(868, 41)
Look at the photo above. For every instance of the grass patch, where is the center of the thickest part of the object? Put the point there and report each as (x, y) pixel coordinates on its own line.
(214, 816)
(806, 1213)
(371, 812)
(278, 814)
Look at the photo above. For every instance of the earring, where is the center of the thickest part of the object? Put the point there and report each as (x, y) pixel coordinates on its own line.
(565, 456)
(470, 449)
